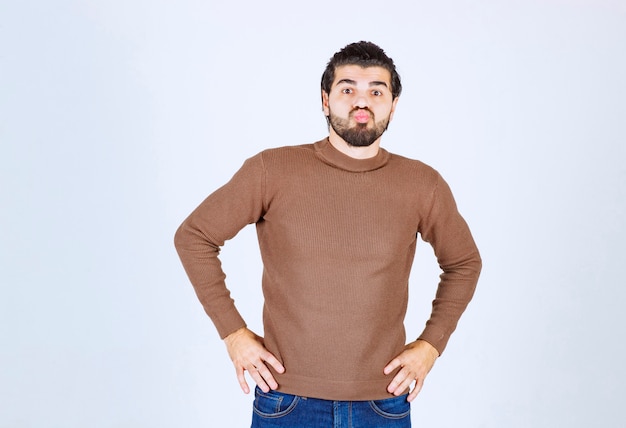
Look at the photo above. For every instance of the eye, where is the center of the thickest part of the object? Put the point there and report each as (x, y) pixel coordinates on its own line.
(346, 91)
(376, 93)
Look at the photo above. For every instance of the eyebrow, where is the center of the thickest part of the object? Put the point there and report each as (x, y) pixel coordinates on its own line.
(372, 83)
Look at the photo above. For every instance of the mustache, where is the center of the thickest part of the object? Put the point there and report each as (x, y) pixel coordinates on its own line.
(356, 109)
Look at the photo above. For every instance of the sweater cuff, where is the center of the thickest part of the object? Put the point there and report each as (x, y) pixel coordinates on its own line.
(437, 338)
(227, 323)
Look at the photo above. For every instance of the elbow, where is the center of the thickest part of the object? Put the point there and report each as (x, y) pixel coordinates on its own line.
(479, 263)
(180, 237)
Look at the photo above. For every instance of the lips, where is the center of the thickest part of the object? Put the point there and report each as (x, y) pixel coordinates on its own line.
(361, 116)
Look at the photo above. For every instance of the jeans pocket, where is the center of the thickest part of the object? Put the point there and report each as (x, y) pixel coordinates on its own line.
(273, 404)
(392, 408)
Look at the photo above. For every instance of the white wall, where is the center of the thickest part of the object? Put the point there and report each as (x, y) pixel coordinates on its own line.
(118, 117)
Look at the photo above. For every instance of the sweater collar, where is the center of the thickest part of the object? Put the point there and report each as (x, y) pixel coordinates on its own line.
(330, 155)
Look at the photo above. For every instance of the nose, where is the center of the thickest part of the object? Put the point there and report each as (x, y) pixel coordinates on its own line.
(360, 101)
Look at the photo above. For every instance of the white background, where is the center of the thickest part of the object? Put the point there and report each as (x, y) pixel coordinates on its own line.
(118, 117)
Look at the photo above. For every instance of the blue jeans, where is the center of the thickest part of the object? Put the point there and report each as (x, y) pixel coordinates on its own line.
(277, 410)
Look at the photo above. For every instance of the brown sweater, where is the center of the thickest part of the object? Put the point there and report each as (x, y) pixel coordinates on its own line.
(337, 237)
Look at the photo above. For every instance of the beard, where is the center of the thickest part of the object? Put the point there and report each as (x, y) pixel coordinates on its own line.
(359, 135)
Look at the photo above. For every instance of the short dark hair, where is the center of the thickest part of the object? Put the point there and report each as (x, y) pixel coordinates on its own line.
(363, 54)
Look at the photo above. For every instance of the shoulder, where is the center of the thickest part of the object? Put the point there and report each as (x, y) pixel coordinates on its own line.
(287, 151)
(278, 157)
(414, 168)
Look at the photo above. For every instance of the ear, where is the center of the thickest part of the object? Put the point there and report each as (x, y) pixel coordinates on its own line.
(325, 103)
(393, 108)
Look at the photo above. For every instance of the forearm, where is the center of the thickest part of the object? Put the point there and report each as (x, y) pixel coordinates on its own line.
(454, 293)
(199, 256)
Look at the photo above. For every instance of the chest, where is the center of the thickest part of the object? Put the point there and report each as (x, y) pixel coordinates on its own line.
(364, 213)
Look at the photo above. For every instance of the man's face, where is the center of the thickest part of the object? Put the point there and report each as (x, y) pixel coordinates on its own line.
(360, 104)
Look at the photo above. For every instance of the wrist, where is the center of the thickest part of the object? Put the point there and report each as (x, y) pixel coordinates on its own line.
(235, 334)
(428, 347)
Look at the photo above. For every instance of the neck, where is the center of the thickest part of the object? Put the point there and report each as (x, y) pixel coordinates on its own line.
(353, 151)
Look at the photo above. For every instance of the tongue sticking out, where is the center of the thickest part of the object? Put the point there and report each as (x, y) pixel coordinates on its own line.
(362, 116)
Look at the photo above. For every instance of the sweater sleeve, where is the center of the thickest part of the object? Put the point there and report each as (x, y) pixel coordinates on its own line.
(459, 260)
(199, 238)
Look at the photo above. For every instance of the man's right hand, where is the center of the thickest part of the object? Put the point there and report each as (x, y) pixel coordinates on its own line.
(248, 352)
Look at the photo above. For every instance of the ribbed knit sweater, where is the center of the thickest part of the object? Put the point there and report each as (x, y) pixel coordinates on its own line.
(337, 237)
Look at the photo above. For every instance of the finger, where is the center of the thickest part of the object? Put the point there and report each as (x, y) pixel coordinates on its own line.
(401, 382)
(394, 364)
(258, 379)
(273, 361)
(397, 382)
(267, 376)
(242, 380)
(416, 390)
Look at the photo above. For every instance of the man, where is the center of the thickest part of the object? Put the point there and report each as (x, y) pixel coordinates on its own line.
(337, 224)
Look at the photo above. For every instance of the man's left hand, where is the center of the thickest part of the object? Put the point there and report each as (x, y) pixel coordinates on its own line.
(416, 361)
